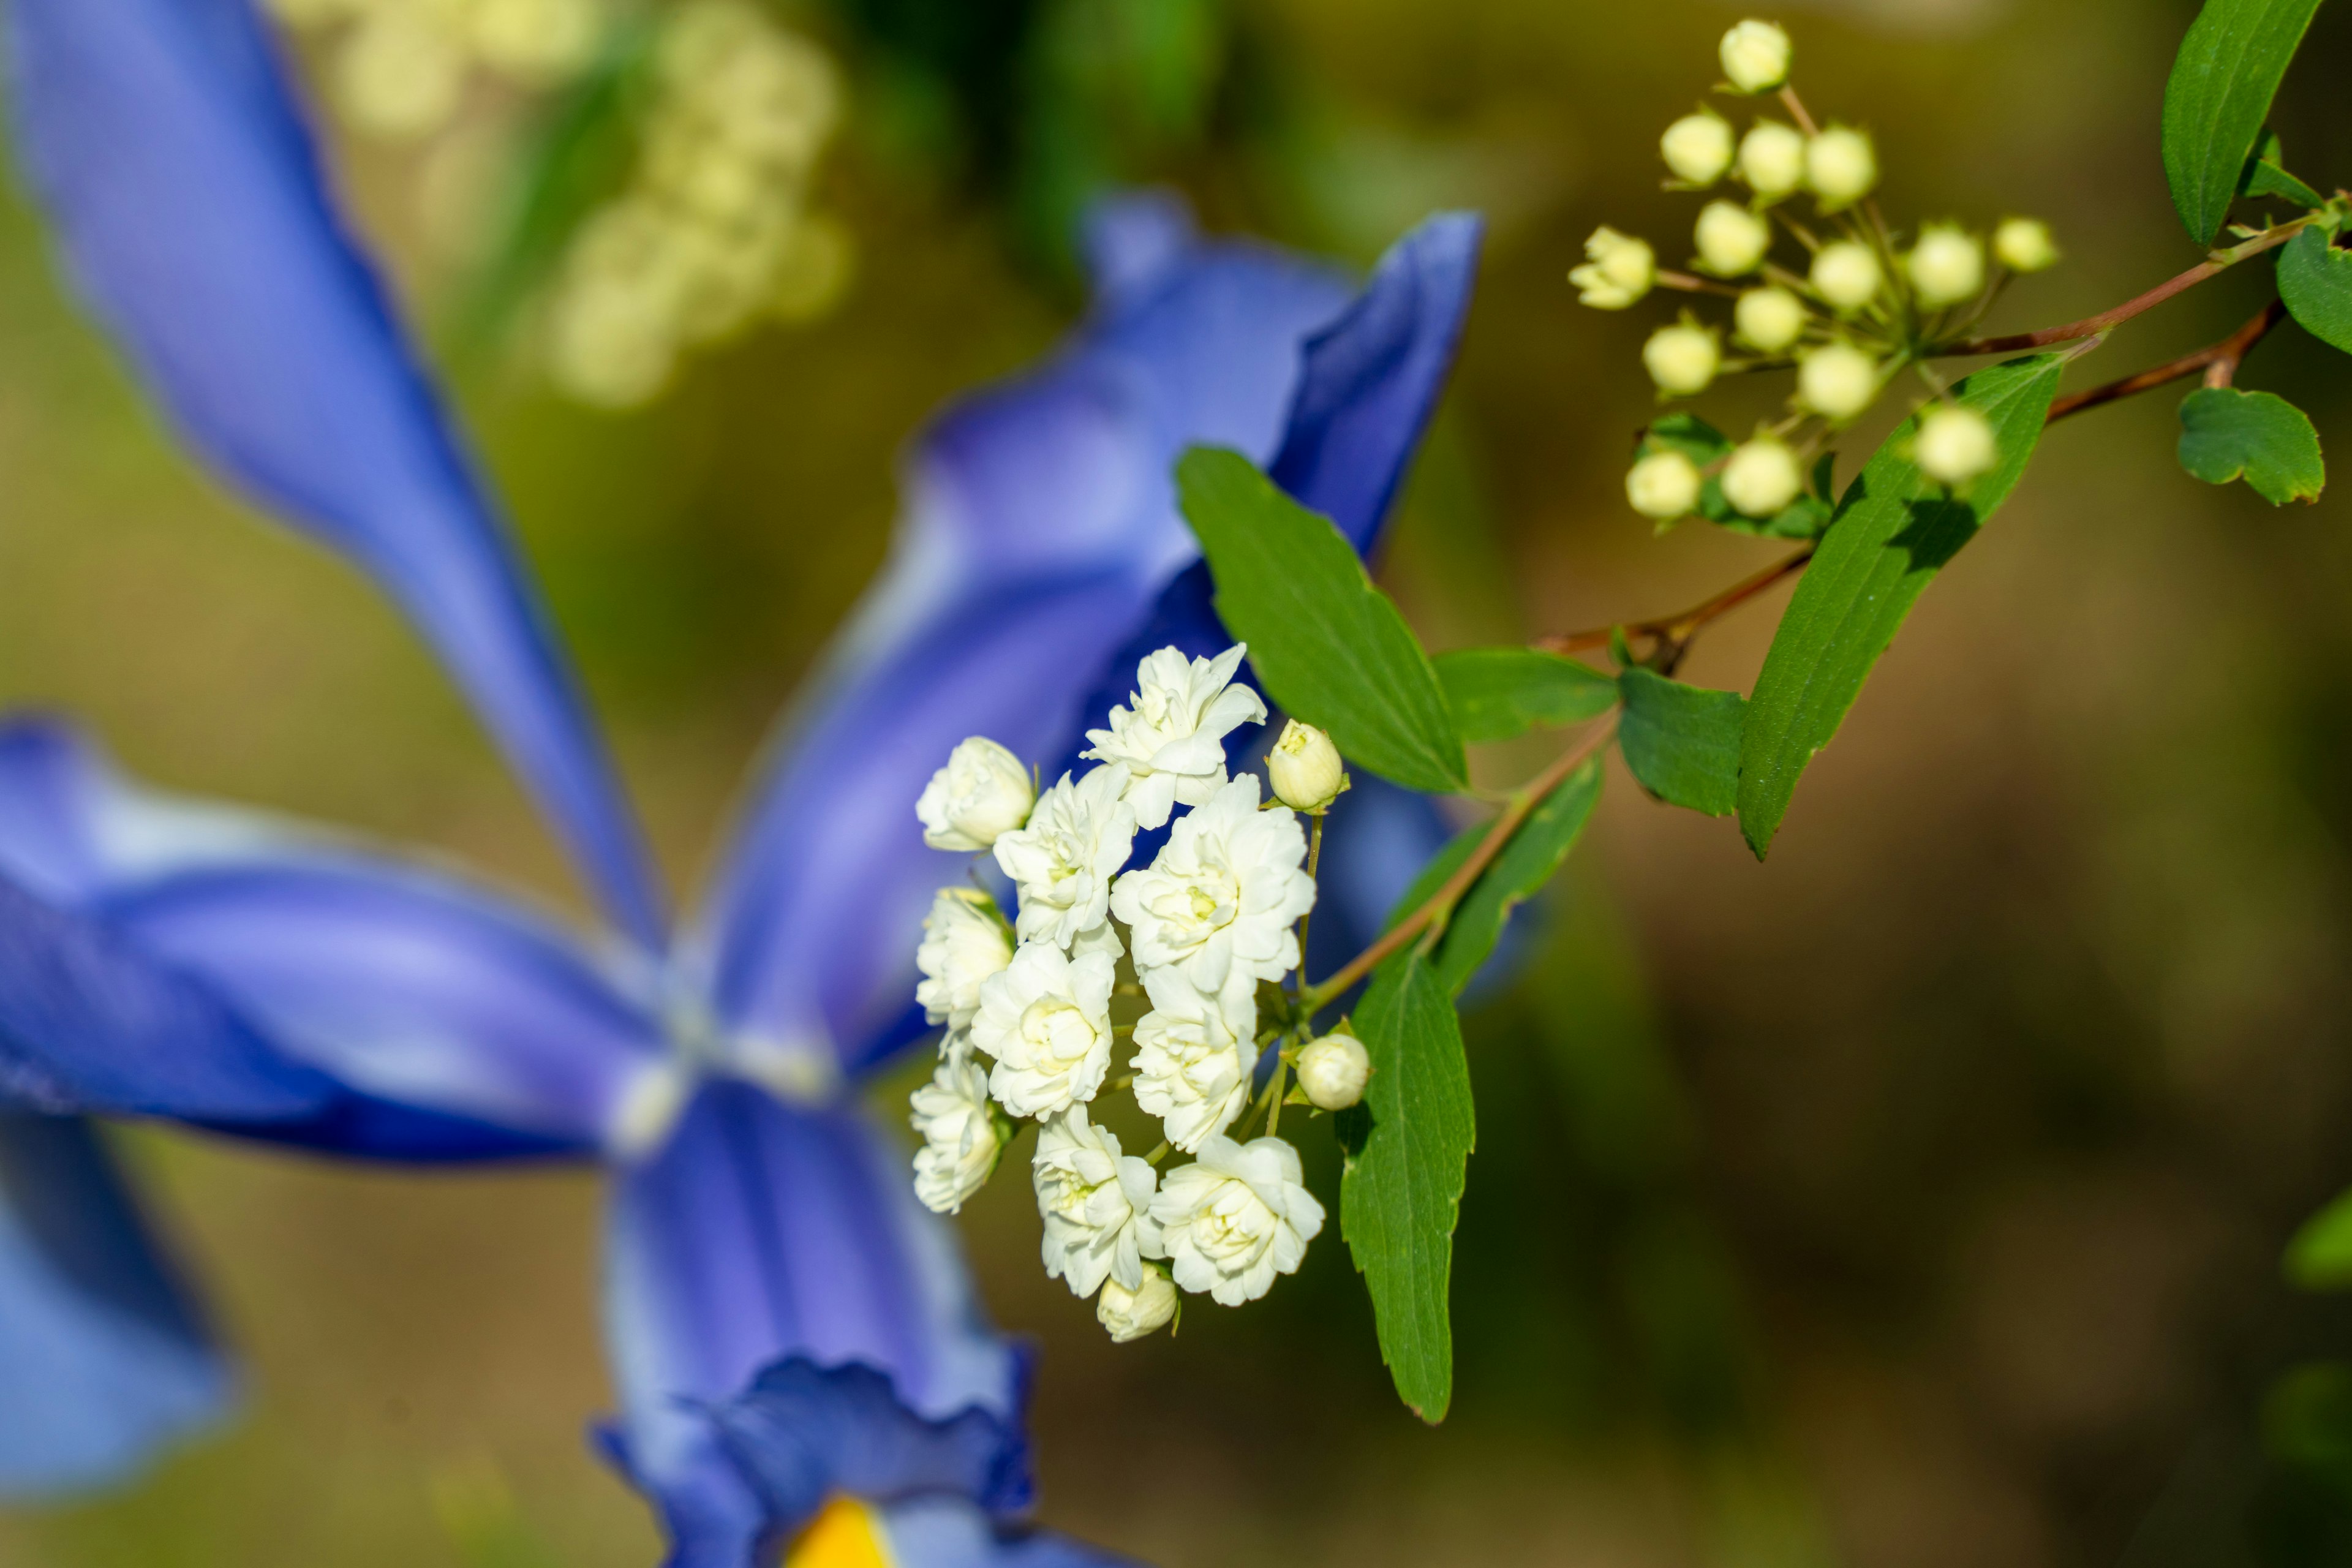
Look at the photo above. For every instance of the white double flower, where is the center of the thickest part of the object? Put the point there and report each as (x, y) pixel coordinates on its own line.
(1063, 860)
(959, 1131)
(1047, 1020)
(1172, 737)
(1222, 896)
(964, 943)
(1193, 1055)
(1096, 1206)
(982, 794)
(1236, 1218)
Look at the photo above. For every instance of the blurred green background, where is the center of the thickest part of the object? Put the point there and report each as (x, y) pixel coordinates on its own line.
(1915, 1199)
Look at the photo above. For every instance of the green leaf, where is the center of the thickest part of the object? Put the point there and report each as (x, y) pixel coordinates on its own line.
(2227, 70)
(1893, 531)
(1500, 692)
(1682, 742)
(2320, 1256)
(2258, 436)
(1688, 433)
(2266, 175)
(2307, 1421)
(1408, 1147)
(1532, 858)
(2315, 278)
(1331, 648)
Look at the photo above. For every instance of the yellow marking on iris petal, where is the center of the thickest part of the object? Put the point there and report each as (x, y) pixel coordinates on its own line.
(845, 1534)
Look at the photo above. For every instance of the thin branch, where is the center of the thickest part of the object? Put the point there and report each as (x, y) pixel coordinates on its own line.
(2212, 266)
(1675, 631)
(1796, 107)
(1689, 283)
(2219, 362)
(1441, 903)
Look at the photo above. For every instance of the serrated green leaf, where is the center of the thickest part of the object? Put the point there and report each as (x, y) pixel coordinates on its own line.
(2258, 437)
(2320, 1256)
(2222, 83)
(1408, 1146)
(2315, 278)
(1330, 646)
(1893, 531)
(1499, 693)
(1532, 858)
(2266, 175)
(1682, 742)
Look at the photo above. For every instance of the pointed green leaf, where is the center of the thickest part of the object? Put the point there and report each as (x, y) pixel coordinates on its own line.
(1893, 531)
(2320, 1256)
(2266, 175)
(1682, 742)
(1330, 646)
(1407, 1153)
(2224, 79)
(1532, 858)
(2315, 278)
(2258, 436)
(1500, 692)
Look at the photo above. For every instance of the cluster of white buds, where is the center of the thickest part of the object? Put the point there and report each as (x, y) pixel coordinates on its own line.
(713, 230)
(399, 67)
(1861, 308)
(1177, 950)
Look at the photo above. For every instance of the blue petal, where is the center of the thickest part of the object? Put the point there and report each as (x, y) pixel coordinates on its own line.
(945, 1532)
(163, 138)
(1373, 378)
(1041, 528)
(803, 1433)
(105, 1358)
(423, 1017)
(762, 1232)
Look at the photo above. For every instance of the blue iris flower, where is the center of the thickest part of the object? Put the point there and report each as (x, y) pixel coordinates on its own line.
(788, 1328)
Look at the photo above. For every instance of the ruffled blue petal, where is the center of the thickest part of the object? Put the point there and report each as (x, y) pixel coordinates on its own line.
(946, 1532)
(762, 1232)
(344, 999)
(163, 138)
(105, 1358)
(803, 1433)
(1040, 527)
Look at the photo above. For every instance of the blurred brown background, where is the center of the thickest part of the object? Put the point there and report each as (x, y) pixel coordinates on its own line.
(1912, 1200)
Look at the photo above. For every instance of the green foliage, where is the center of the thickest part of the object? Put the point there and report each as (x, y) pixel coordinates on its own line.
(1532, 858)
(2320, 1256)
(2222, 83)
(2258, 436)
(1893, 531)
(2307, 1420)
(2266, 175)
(1408, 1147)
(2315, 278)
(1497, 693)
(1705, 445)
(1330, 646)
(1683, 742)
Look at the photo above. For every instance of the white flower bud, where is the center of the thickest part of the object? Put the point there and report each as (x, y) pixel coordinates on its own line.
(1761, 477)
(1731, 239)
(1773, 159)
(1132, 1315)
(1768, 320)
(1305, 768)
(1954, 445)
(1663, 485)
(1947, 266)
(1846, 274)
(1618, 270)
(1334, 1070)
(1682, 359)
(1698, 147)
(1838, 381)
(982, 794)
(1755, 56)
(2024, 245)
(1840, 166)
(964, 942)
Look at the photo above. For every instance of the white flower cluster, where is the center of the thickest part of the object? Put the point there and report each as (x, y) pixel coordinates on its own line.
(1028, 1002)
(398, 67)
(1861, 309)
(713, 230)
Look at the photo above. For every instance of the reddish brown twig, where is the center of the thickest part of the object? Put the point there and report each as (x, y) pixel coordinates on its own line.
(2219, 262)
(2219, 362)
(1672, 634)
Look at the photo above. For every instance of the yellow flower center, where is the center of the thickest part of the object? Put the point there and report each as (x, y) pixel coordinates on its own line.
(846, 1534)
